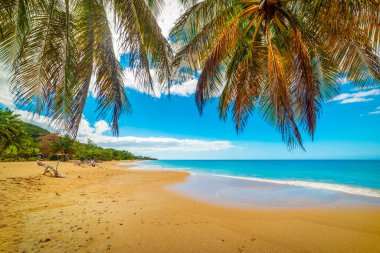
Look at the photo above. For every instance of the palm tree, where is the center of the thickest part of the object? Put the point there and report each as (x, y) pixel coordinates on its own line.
(57, 49)
(12, 131)
(282, 57)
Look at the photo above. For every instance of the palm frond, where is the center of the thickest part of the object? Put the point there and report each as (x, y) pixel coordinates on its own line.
(142, 38)
(109, 87)
(87, 13)
(307, 97)
(308, 45)
(280, 97)
(245, 79)
(210, 80)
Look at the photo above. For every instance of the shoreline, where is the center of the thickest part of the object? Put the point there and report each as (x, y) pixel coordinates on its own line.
(371, 194)
(119, 210)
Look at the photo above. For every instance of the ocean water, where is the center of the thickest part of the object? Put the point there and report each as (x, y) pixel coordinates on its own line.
(277, 182)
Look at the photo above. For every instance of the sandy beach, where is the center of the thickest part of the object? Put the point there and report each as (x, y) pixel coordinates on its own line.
(111, 210)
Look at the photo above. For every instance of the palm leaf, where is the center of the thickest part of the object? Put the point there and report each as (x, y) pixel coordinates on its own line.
(109, 87)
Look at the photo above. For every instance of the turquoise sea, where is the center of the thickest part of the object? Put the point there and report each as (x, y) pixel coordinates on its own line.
(277, 182)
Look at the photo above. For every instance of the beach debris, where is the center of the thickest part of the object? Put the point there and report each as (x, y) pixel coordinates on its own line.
(44, 240)
(50, 169)
(79, 163)
(241, 249)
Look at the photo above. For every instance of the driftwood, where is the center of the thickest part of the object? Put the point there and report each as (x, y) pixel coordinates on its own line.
(92, 163)
(50, 169)
(79, 163)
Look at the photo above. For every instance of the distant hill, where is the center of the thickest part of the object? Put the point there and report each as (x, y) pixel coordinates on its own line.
(35, 142)
(35, 131)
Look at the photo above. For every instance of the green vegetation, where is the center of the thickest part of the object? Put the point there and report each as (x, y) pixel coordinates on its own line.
(15, 142)
(20, 141)
(35, 131)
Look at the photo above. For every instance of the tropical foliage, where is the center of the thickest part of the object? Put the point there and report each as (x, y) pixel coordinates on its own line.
(24, 141)
(281, 57)
(14, 138)
(57, 49)
(91, 151)
(53, 147)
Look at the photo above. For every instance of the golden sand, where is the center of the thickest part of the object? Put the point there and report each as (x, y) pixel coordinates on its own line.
(109, 210)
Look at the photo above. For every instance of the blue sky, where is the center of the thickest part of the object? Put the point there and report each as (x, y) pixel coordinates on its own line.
(171, 128)
(347, 129)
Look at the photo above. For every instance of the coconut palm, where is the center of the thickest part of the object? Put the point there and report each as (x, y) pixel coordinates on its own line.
(12, 131)
(58, 49)
(282, 57)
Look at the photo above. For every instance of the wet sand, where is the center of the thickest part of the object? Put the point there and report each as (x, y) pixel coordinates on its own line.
(254, 194)
(111, 210)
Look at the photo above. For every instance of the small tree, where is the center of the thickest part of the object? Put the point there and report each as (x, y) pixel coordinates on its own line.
(12, 130)
(54, 145)
(65, 146)
(48, 145)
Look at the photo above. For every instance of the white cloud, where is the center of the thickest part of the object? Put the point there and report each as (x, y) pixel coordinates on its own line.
(355, 100)
(131, 82)
(149, 144)
(141, 145)
(180, 89)
(101, 127)
(145, 145)
(84, 129)
(184, 89)
(39, 120)
(376, 111)
(340, 97)
(373, 92)
(6, 98)
(362, 96)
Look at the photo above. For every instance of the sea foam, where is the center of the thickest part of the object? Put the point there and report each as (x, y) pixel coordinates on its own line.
(361, 191)
(316, 185)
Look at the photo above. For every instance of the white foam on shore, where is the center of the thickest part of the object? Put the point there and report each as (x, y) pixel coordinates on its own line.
(361, 191)
(316, 185)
